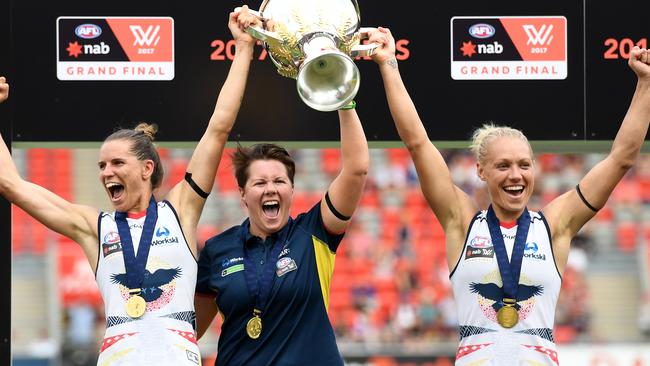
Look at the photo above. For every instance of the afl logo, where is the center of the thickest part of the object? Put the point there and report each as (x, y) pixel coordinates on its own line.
(481, 30)
(283, 262)
(88, 31)
(111, 237)
(480, 242)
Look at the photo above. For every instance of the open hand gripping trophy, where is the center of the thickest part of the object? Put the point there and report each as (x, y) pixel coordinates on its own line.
(314, 41)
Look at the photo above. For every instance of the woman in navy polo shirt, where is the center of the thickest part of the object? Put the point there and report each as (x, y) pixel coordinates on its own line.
(269, 277)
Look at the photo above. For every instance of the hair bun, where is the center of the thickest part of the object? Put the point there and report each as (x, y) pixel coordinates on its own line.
(148, 129)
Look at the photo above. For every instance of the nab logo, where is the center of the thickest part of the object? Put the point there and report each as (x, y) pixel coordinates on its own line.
(96, 49)
(109, 249)
(88, 31)
(541, 36)
(482, 30)
(490, 48)
(469, 49)
(162, 231)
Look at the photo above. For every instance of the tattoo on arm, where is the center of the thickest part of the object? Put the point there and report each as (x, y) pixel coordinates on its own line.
(392, 63)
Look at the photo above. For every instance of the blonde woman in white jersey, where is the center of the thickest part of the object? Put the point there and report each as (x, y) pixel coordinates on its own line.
(143, 254)
(506, 262)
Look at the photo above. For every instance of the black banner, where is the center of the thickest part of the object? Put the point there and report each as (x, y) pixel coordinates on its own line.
(50, 109)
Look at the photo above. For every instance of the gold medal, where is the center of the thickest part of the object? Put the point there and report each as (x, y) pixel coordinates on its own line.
(136, 306)
(507, 316)
(254, 327)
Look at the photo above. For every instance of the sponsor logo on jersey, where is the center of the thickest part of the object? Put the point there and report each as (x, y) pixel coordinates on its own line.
(111, 248)
(531, 252)
(232, 265)
(173, 240)
(284, 252)
(479, 253)
(509, 236)
(531, 247)
(111, 244)
(193, 357)
(285, 265)
(479, 247)
(162, 233)
(227, 262)
(112, 237)
(481, 242)
(232, 269)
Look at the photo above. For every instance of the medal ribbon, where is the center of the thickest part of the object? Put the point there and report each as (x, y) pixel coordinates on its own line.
(511, 271)
(259, 290)
(135, 266)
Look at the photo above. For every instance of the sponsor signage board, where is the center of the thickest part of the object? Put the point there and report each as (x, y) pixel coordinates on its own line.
(115, 48)
(508, 48)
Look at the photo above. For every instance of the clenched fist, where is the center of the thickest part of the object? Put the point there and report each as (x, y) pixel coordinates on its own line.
(4, 89)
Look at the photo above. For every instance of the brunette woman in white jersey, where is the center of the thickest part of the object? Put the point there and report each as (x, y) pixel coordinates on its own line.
(144, 253)
(506, 262)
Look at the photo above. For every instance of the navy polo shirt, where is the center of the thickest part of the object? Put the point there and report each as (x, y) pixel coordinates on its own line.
(296, 328)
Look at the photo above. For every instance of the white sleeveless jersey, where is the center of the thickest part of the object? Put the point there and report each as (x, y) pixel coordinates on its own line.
(477, 287)
(165, 334)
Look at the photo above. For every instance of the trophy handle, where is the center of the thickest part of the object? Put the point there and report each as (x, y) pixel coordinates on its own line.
(364, 50)
(271, 38)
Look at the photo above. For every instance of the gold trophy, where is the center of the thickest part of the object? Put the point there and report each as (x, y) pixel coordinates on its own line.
(314, 41)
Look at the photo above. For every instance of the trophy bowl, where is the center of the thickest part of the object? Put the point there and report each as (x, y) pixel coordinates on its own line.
(314, 41)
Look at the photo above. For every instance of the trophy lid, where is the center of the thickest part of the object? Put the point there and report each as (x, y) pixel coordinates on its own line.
(301, 17)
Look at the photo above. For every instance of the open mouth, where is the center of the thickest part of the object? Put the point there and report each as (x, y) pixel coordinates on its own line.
(271, 208)
(115, 190)
(516, 190)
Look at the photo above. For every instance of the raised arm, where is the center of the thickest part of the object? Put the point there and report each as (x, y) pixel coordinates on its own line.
(345, 190)
(568, 213)
(453, 208)
(77, 222)
(207, 155)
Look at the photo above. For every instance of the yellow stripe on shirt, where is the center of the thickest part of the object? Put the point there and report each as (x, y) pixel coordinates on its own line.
(325, 263)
